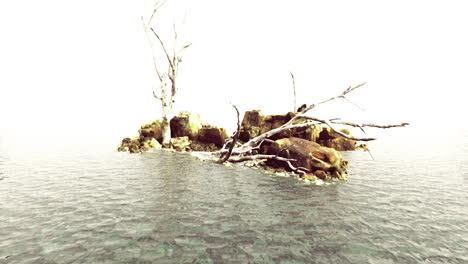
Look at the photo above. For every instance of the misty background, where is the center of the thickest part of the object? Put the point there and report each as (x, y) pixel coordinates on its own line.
(81, 71)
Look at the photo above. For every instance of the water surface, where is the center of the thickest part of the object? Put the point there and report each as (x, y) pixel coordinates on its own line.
(81, 206)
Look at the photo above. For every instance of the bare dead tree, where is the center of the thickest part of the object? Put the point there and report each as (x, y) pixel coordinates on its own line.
(166, 70)
(245, 151)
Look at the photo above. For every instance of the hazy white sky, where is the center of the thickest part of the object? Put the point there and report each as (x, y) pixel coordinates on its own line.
(84, 68)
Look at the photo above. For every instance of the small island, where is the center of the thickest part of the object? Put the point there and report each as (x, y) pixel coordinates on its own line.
(309, 151)
(296, 142)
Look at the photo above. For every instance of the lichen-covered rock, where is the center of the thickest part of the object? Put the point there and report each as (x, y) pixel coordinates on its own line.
(309, 155)
(124, 145)
(185, 124)
(331, 139)
(135, 146)
(151, 130)
(139, 144)
(181, 143)
(213, 135)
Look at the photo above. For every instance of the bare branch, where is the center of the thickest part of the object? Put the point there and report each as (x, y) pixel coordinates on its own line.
(184, 47)
(258, 156)
(370, 125)
(156, 7)
(164, 48)
(152, 50)
(342, 95)
(328, 123)
(297, 170)
(234, 140)
(294, 89)
(155, 95)
(356, 105)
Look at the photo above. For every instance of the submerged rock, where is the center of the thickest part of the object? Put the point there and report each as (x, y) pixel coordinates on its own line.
(185, 124)
(322, 161)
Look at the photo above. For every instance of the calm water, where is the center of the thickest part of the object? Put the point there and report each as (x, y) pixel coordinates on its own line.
(73, 206)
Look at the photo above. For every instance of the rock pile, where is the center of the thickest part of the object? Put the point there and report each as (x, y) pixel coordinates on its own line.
(187, 134)
(312, 149)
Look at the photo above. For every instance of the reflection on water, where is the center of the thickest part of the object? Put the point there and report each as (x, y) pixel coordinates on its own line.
(170, 208)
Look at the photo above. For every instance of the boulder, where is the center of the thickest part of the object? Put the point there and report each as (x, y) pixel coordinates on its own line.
(254, 124)
(181, 143)
(139, 144)
(185, 124)
(151, 130)
(213, 135)
(135, 146)
(131, 145)
(275, 121)
(309, 155)
(251, 125)
(311, 133)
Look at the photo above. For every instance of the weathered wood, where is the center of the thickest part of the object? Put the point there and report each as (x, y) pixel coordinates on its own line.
(294, 90)
(234, 140)
(245, 151)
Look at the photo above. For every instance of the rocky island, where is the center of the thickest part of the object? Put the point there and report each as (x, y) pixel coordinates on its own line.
(310, 151)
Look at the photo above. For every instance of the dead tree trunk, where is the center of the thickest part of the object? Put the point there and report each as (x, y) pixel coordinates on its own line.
(167, 78)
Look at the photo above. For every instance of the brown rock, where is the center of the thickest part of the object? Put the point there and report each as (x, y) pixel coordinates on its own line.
(322, 175)
(213, 135)
(185, 124)
(305, 153)
(331, 139)
(311, 133)
(251, 125)
(151, 130)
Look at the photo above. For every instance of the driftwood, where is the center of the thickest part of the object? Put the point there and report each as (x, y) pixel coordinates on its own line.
(245, 152)
(234, 140)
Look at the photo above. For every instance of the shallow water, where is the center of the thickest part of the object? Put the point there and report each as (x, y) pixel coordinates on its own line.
(106, 207)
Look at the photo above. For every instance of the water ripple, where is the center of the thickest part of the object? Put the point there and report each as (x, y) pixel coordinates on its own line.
(170, 208)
